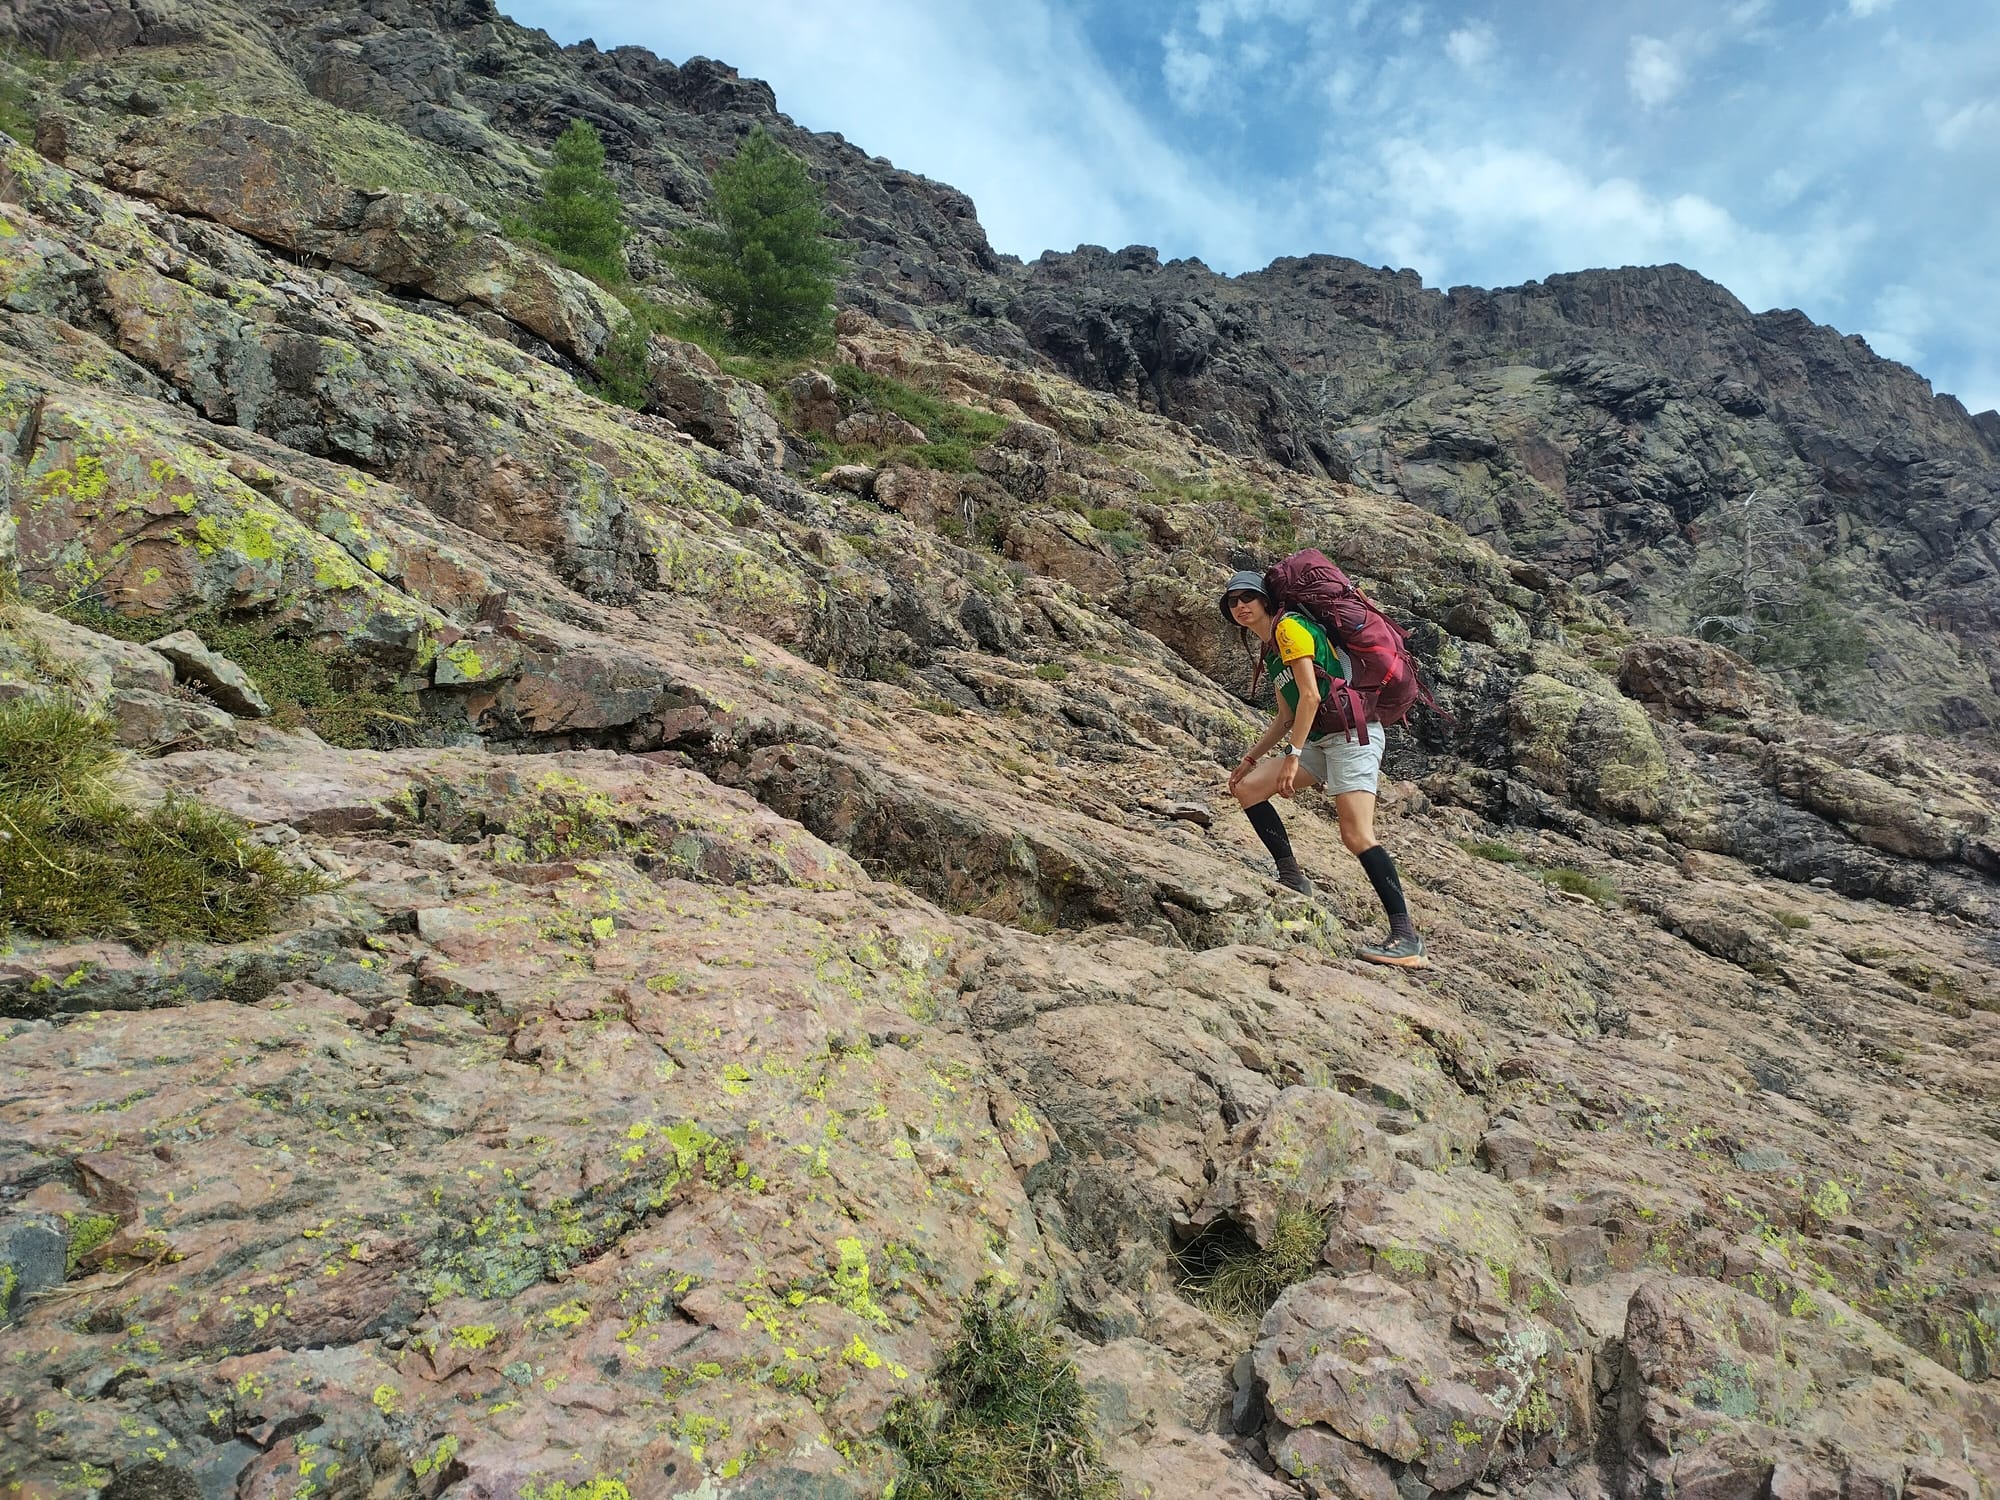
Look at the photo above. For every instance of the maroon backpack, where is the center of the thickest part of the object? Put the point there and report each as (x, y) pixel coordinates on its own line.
(1383, 684)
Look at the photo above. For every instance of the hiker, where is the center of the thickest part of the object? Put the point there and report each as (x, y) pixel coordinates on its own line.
(1305, 667)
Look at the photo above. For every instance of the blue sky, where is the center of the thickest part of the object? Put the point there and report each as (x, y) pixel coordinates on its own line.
(1840, 156)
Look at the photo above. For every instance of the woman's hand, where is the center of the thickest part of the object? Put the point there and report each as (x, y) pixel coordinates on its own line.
(1243, 768)
(1288, 776)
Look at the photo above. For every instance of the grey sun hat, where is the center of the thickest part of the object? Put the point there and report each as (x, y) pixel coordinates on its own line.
(1240, 583)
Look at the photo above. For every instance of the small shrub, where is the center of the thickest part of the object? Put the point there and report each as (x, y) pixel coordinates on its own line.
(1109, 518)
(307, 686)
(1052, 671)
(1233, 1277)
(1797, 921)
(1577, 883)
(621, 367)
(952, 456)
(944, 708)
(1493, 849)
(1010, 1420)
(76, 860)
(578, 215)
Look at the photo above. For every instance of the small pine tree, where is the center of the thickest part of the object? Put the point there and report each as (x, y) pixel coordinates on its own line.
(768, 269)
(578, 215)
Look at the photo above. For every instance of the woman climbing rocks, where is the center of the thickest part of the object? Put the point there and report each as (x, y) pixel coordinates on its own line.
(1299, 657)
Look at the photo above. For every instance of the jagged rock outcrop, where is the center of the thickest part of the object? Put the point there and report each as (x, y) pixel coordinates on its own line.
(777, 909)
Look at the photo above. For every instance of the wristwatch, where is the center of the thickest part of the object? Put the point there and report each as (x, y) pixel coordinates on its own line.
(1292, 750)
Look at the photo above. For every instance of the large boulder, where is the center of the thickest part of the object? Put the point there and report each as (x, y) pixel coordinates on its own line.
(1692, 679)
(272, 183)
(685, 385)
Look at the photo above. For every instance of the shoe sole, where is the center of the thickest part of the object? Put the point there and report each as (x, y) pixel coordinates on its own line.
(1415, 961)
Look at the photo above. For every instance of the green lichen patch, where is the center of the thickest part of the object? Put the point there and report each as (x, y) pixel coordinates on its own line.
(76, 860)
(1009, 1421)
(507, 1244)
(86, 1233)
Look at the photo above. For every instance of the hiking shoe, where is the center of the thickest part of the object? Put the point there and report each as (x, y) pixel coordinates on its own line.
(1403, 953)
(1292, 878)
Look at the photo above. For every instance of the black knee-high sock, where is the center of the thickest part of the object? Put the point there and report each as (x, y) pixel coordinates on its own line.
(1271, 829)
(1381, 868)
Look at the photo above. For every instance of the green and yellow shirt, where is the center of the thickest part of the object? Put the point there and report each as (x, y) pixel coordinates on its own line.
(1297, 637)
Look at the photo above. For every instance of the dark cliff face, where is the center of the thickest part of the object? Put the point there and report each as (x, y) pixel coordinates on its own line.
(1600, 424)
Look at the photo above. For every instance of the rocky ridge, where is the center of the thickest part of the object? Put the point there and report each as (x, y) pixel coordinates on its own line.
(751, 886)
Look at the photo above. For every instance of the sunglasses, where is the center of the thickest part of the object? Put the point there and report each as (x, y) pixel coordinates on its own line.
(1230, 601)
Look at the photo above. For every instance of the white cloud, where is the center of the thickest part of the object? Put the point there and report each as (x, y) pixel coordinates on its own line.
(1470, 46)
(1339, 85)
(1549, 214)
(1187, 72)
(1654, 71)
(1901, 318)
(1863, 9)
(1977, 121)
(1784, 187)
(1007, 103)
(1214, 17)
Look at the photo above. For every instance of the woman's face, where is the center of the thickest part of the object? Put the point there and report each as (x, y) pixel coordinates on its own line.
(1248, 610)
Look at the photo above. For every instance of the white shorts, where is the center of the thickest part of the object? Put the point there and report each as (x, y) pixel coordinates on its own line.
(1343, 765)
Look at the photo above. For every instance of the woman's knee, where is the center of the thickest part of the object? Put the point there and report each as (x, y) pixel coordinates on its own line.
(1358, 841)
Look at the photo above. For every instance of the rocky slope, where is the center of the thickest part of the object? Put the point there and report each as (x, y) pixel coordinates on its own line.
(1600, 424)
(777, 911)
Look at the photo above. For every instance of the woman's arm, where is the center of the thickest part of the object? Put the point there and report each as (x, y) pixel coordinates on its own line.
(1307, 678)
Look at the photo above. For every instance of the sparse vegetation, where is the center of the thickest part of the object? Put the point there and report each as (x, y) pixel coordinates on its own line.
(767, 268)
(308, 686)
(1234, 1277)
(1577, 883)
(1010, 1420)
(942, 421)
(305, 685)
(1493, 849)
(78, 860)
(1796, 921)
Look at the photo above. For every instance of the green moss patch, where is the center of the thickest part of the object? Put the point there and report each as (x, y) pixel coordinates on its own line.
(1577, 883)
(1010, 1420)
(942, 421)
(76, 860)
(1232, 1276)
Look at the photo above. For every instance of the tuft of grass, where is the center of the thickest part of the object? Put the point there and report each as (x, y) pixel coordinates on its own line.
(1797, 921)
(1109, 518)
(305, 685)
(943, 422)
(1603, 892)
(1233, 1277)
(1051, 671)
(1010, 1420)
(1493, 849)
(77, 860)
(308, 686)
